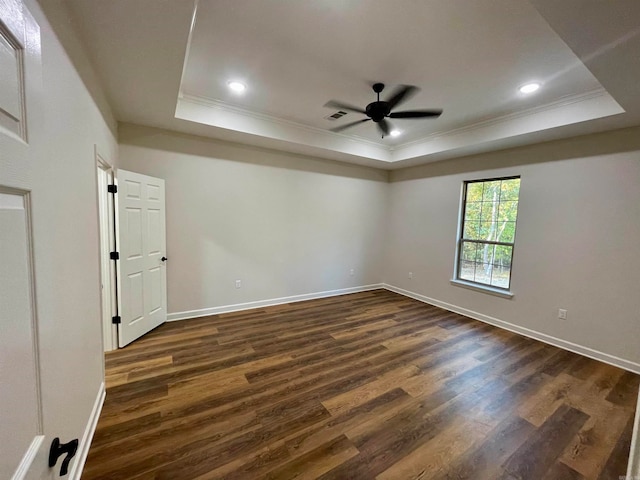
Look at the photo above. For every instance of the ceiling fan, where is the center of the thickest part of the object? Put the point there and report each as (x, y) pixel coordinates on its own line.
(379, 111)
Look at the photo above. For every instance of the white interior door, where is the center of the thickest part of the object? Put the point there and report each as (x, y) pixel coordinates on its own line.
(142, 278)
(23, 449)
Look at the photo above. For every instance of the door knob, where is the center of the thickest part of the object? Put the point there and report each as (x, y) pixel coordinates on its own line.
(164, 259)
(58, 449)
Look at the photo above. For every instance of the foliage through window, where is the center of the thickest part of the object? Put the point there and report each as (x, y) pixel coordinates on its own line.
(488, 230)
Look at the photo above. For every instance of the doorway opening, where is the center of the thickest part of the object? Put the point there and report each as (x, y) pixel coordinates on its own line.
(133, 281)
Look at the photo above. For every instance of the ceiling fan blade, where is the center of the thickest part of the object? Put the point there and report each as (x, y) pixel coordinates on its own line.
(402, 93)
(343, 106)
(384, 127)
(416, 114)
(349, 125)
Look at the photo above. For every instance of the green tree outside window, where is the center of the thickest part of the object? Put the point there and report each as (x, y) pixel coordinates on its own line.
(488, 231)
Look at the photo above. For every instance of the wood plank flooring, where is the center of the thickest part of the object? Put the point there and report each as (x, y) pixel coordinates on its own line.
(371, 385)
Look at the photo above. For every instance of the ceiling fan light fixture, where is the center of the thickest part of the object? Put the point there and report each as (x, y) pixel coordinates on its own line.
(529, 87)
(395, 133)
(236, 87)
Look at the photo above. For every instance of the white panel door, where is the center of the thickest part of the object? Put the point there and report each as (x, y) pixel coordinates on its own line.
(142, 279)
(24, 443)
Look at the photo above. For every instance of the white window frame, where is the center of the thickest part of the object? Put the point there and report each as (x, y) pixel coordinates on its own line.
(483, 287)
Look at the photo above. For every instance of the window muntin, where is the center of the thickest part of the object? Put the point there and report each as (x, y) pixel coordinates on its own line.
(487, 231)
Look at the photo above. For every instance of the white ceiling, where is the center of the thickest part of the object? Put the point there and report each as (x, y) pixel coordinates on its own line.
(166, 63)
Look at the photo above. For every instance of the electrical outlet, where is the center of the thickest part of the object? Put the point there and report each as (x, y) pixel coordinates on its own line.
(238, 283)
(562, 314)
(410, 275)
(351, 272)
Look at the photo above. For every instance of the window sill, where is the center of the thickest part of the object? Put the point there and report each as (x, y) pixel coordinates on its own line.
(498, 292)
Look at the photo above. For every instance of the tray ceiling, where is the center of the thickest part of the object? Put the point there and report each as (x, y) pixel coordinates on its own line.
(468, 58)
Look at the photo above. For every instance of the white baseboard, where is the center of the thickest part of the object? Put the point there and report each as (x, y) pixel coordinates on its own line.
(34, 454)
(171, 317)
(85, 443)
(543, 337)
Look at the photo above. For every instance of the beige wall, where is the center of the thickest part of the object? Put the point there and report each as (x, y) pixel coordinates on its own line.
(283, 224)
(577, 241)
(65, 229)
(288, 225)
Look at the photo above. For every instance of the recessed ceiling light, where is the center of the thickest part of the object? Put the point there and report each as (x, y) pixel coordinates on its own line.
(395, 133)
(237, 87)
(529, 87)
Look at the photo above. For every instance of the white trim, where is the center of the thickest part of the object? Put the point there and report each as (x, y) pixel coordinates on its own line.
(187, 52)
(633, 468)
(498, 292)
(220, 115)
(227, 107)
(28, 458)
(105, 205)
(543, 337)
(105, 288)
(492, 121)
(486, 122)
(172, 317)
(85, 443)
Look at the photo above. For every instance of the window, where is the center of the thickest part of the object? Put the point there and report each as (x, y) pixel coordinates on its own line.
(487, 231)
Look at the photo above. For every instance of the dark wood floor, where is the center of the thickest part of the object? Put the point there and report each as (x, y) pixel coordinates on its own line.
(362, 386)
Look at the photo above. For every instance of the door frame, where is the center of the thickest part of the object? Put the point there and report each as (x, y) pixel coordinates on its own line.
(105, 175)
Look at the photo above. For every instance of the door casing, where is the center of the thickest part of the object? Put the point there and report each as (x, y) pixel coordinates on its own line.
(106, 218)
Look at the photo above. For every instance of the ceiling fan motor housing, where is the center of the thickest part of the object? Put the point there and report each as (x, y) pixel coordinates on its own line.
(377, 110)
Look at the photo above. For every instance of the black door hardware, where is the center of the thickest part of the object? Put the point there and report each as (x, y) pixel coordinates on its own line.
(164, 259)
(58, 449)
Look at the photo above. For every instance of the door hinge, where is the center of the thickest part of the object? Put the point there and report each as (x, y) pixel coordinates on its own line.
(116, 320)
(114, 255)
(112, 188)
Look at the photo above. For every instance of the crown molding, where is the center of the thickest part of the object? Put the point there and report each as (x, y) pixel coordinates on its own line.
(496, 120)
(226, 107)
(440, 141)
